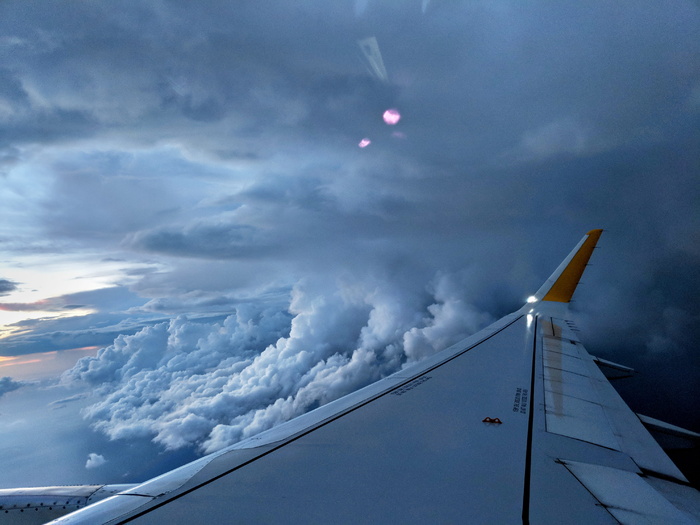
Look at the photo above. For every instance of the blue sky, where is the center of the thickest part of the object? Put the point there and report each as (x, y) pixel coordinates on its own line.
(194, 247)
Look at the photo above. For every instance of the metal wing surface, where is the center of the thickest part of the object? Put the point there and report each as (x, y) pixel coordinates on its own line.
(515, 424)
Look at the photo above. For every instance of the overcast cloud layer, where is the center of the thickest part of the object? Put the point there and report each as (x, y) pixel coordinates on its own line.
(202, 160)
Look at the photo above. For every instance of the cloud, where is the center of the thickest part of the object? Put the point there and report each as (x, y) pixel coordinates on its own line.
(7, 384)
(218, 241)
(60, 403)
(274, 264)
(96, 318)
(7, 286)
(188, 383)
(452, 319)
(556, 138)
(43, 306)
(95, 460)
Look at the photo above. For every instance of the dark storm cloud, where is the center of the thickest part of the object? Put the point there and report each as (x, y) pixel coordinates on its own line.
(477, 84)
(199, 301)
(7, 286)
(222, 141)
(101, 196)
(275, 65)
(44, 305)
(288, 216)
(88, 71)
(7, 384)
(108, 296)
(650, 322)
(218, 241)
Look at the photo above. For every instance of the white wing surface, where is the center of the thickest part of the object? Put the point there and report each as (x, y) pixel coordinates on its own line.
(516, 424)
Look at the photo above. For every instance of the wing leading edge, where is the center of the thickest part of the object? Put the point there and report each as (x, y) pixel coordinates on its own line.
(513, 424)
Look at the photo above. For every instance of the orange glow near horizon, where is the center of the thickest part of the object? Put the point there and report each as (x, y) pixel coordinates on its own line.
(42, 365)
(15, 363)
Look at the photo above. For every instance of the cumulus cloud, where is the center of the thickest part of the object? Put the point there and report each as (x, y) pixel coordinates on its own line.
(7, 384)
(95, 460)
(188, 383)
(451, 318)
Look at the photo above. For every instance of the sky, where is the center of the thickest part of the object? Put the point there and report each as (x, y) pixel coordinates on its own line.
(219, 215)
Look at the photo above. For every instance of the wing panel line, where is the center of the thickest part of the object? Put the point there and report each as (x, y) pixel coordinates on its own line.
(600, 503)
(531, 416)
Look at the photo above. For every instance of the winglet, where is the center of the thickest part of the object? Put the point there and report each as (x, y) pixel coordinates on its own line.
(562, 283)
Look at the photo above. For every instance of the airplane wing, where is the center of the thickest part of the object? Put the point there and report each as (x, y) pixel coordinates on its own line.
(515, 424)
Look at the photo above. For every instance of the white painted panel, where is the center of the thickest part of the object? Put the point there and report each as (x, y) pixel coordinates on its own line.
(561, 382)
(634, 439)
(565, 362)
(563, 346)
(579, 419)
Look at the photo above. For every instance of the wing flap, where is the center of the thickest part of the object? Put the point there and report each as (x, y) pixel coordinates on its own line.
(581, 403)
(613, 370)
(626, 495)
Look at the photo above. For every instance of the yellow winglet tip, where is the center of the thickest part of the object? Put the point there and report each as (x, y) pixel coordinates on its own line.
(563, 288)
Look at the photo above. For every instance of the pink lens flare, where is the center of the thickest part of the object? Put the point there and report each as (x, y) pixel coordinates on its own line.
(364, 143)
(392, 116)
